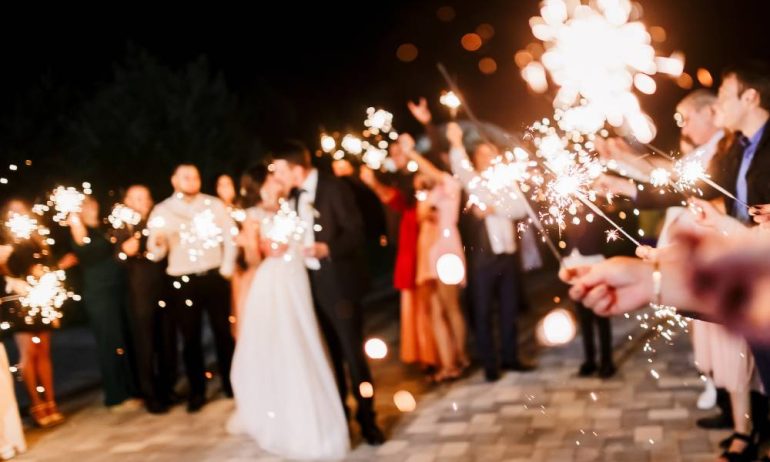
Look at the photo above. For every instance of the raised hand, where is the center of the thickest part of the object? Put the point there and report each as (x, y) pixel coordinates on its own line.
(420, 111)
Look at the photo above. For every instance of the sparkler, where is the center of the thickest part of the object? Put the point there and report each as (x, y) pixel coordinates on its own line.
(45, 296)
(284, 226)
(122, 216)
(596, 54)
(21, 226)
(202, 234)
(452, 102)
(67, 200)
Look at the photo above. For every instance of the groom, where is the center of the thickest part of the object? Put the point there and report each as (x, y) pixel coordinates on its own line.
(335, 268)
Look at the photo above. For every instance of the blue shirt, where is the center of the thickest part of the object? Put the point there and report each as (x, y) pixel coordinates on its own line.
(741, 186)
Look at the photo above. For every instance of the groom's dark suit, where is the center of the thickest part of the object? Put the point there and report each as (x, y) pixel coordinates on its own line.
(339, 285)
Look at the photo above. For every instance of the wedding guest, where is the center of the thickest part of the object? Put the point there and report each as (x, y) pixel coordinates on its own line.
(104, 299)
(438, 213)
(195, 232)
(417, 341)
(226, 191)
(30, 256)
(493, 258)
(154, 335)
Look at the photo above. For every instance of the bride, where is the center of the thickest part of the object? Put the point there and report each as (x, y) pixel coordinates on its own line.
(285, 394)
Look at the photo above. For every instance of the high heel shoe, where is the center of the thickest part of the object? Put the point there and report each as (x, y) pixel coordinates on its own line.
(40, 416)
(748, 454)
(54, 415)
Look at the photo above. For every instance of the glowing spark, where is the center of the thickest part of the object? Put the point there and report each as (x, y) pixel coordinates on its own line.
(66, 201)
(203, 234)
(45, 296)
(612, 235)
(122, 216)
(660, 177)
(21, 226)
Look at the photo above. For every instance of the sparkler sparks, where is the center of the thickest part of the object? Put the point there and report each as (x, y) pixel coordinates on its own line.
(45, 296)
(203, 234)
(123, 215)
(66, 200)
(451, 101)
(21, 226)
(284, 226)
(612, 235)
(596, 54)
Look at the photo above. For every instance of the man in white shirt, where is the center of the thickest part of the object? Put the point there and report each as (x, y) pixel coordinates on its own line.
(495, 274)
(195, 232)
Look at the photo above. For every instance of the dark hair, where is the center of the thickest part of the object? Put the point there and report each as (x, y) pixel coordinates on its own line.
(294, 152)
(252, 180)
(752, 74)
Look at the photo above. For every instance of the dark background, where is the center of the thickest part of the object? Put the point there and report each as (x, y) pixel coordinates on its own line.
(119, 95)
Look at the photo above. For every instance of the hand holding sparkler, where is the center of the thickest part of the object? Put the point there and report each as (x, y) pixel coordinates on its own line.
(420, 111)
(614, 286)
(709, 216)
(761, 215)
(130, 246)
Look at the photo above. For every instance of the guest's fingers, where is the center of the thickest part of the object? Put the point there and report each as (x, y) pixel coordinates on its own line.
(576, 292)
(604, 306)
(595, 295)
(761, 209)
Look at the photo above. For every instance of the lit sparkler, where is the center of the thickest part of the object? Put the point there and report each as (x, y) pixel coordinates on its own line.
(596, 55)
(203, 234)
(122, 216)
(452, 102)
(21, 226)
(45, 296)
(66, 200)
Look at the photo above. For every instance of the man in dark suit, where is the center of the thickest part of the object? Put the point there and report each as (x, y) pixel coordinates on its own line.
(336, 270)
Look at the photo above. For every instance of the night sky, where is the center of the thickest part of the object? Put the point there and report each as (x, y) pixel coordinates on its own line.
(304, 67)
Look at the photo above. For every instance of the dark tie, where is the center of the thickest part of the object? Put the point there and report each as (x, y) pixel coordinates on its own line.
(295, 195)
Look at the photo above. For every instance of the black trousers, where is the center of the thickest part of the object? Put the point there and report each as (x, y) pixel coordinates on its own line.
(759, 403)
(588, 319)
(497, 279)
(342, 325)
(210, 293)
(153, 331)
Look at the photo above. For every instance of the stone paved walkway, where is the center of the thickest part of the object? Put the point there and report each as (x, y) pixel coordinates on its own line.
(548, 415)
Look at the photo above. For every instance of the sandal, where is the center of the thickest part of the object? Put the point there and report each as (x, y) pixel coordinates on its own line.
(40, 416)
(54, 415)
(748, 454)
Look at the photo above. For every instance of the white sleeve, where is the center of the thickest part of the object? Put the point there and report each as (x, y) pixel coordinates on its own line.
(510, 203)
(155, 225)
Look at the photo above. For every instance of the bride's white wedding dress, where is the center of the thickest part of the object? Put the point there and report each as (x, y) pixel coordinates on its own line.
(285, 393)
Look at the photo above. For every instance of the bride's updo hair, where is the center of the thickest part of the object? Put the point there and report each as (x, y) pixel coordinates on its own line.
(251, 183)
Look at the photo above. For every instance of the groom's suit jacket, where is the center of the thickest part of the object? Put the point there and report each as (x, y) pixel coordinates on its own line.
(343, 274)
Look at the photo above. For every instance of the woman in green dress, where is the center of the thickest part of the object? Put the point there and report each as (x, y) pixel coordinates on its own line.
(104, 299)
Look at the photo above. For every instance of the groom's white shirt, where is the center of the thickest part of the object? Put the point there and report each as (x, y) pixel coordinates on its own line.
(306, 212)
